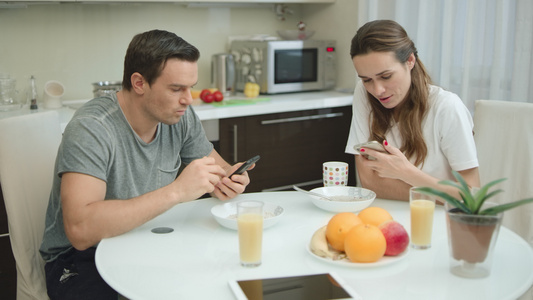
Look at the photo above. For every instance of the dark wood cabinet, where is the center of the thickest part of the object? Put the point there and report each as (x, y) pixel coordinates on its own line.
(8, 271)
(292, 145)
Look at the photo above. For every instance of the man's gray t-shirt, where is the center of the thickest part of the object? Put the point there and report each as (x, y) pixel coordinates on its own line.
(100, 142)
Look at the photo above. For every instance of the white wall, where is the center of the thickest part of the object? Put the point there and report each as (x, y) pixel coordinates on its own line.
(338, 22)
(78, 44)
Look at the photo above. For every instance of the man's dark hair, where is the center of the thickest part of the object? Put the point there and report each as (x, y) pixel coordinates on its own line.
(149, 51)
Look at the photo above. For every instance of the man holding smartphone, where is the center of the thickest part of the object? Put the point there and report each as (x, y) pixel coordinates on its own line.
(117, 166)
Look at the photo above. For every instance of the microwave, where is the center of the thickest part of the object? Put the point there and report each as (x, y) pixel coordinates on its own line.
(285, 66)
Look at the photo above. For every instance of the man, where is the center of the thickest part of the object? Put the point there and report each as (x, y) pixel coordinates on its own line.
(117, 166)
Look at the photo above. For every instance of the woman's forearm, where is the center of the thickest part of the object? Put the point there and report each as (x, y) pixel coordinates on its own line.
(389, 188)
(385, 188)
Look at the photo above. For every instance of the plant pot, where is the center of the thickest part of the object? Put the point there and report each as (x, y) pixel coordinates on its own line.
(471, 239)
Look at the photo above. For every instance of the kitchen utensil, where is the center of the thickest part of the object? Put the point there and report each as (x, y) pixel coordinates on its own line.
(223, 73)
(312, 193)
(53, 91)
(103, 88)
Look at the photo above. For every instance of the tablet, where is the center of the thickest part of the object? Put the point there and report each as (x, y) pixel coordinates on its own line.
(309, 287)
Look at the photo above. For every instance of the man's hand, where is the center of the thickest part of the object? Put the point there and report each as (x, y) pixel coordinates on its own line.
(199, 177)
(229, 188)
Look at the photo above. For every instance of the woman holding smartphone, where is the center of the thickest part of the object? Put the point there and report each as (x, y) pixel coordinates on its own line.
(426, 132)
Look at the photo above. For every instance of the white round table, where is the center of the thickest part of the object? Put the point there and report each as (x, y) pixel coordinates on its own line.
(197, 259)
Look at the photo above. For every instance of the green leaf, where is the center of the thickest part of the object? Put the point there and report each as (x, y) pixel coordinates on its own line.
(481, 195)
(492, 194)
(484, 189)
(503, 207)
(465, 187)
(467, 196)
(469, 202)
(472, 203)
(451, 183)
(461, 191)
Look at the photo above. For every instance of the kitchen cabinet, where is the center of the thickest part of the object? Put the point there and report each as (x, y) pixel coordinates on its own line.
(293, 146)
(8, 271)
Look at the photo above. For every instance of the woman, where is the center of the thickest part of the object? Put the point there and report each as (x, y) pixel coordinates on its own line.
(426, 131)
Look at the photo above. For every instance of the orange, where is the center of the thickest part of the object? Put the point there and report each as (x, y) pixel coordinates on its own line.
(365, 244)
(338, 227)
(374, 215)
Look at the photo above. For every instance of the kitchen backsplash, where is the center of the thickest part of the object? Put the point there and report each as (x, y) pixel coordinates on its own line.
(78, 44)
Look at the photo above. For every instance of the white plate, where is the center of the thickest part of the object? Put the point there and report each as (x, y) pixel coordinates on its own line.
(226, 214)
(362, 198)
(385, 260)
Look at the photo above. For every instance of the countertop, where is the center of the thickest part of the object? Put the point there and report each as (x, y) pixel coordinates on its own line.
(273, 104)
(266, 104)
(65, 113)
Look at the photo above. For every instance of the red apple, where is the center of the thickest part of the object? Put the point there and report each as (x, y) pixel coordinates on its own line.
(396, 237)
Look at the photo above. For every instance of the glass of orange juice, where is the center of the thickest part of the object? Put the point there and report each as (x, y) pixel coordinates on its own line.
(422, 210)
(250, 228)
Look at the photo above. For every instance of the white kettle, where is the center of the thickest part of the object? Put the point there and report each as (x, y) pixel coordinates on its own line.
(223, 73)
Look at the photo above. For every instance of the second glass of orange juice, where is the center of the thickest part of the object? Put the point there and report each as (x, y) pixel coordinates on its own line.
(250, 228)
(422, 210)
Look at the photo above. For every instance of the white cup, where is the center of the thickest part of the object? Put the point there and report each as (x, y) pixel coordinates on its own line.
(335, 173)
(53, 91)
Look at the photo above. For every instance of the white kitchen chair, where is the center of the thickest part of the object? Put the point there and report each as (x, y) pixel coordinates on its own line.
(504, 141)
(28, 148)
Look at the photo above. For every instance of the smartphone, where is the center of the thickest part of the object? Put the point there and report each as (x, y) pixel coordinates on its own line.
(246, 165)
(374, 145)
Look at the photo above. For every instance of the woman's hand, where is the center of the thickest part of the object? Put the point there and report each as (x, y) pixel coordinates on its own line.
(393, 164)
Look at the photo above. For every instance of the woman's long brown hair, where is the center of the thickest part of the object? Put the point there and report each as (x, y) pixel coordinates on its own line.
(389, 36)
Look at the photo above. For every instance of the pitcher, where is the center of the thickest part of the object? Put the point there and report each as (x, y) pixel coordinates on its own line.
(223, 73)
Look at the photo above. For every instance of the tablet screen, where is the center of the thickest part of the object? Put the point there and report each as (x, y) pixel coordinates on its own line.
(309, 287)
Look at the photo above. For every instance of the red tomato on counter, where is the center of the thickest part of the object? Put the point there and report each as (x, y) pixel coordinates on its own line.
(218, 96)
(209, 98)
(204, 93)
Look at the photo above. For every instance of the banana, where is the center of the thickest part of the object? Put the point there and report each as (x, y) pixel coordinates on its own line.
(319, 245)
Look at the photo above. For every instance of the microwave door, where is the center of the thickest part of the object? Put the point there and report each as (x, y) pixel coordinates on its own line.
(296, 69)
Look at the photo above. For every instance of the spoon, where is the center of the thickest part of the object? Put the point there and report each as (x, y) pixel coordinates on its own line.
(312, 193)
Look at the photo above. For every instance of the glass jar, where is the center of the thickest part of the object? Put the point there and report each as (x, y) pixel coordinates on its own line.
(8, 95)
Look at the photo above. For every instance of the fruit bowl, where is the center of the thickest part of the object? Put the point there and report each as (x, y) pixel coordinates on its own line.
(296, 34)
(346, 198)
(226, 214)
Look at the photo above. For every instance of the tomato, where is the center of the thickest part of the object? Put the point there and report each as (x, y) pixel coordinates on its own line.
(209, 98)
(218, 96)
(204, 93)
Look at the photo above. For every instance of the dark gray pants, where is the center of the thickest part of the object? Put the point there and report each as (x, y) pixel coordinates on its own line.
(73, 275)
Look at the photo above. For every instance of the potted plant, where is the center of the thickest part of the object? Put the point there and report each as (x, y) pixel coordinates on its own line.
(473, 224)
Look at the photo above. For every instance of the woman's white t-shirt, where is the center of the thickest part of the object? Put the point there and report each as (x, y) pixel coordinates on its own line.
(447, 131)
